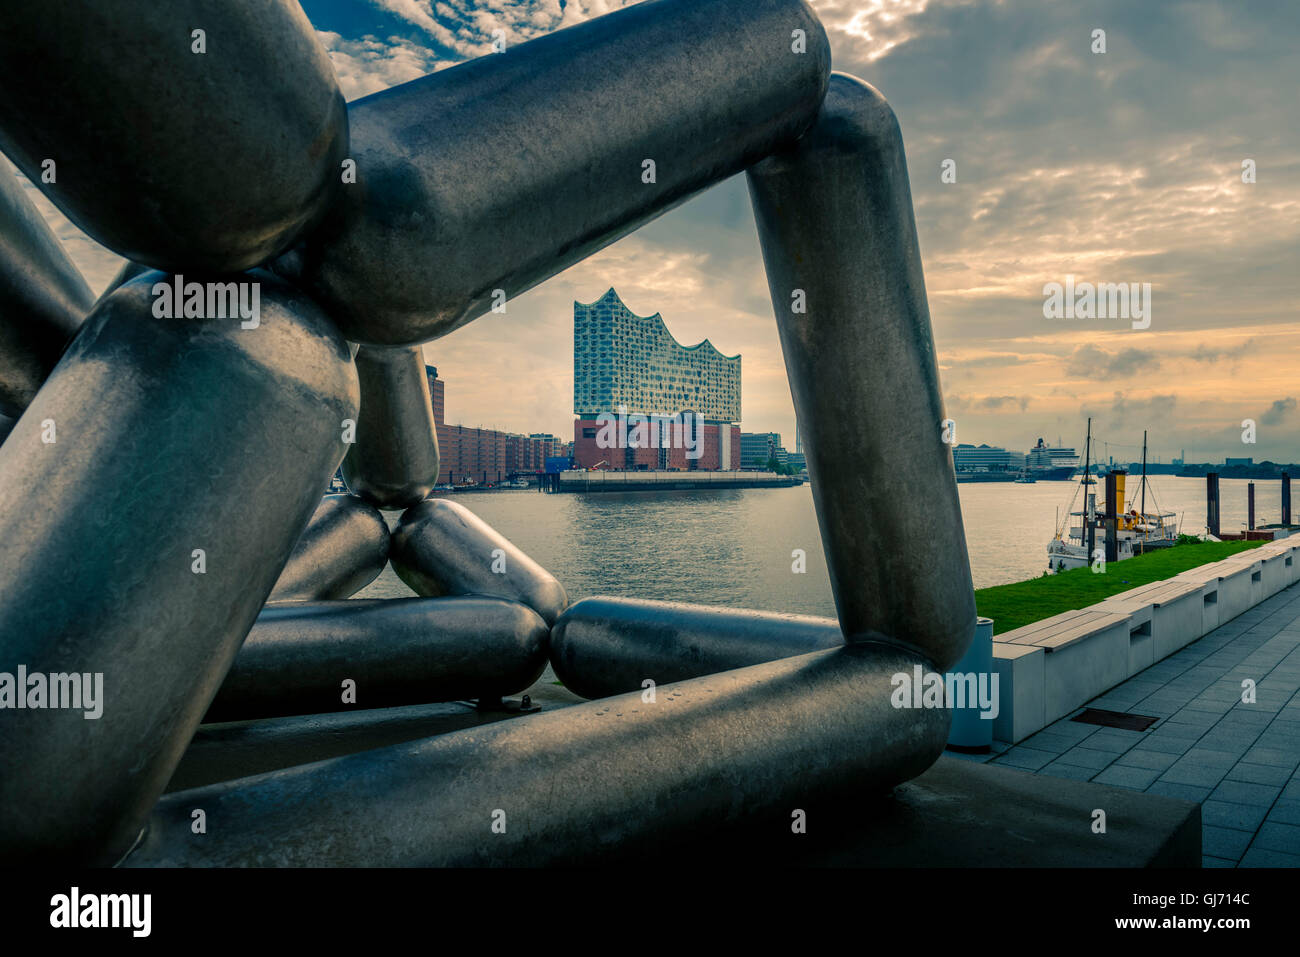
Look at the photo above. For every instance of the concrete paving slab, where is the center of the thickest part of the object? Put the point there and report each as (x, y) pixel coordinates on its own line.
(1224, 842)
(1240, 760)
(1273, 836)
(1259, 774)
(1142, 758)
(1241, 817)
(960, 814)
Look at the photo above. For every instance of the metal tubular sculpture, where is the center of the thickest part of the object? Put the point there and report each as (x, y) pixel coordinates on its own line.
(229, 158)
(238, 749)
(43, 298)
(124, 275)
(442, 548)
(305, 657)
(231, 431)
(835, 223)
(555, 134)
(605, 778)
(607, 646)
(343, 550)
(394, 461)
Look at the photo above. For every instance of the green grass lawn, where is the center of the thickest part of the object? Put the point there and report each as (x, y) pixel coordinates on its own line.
(1022, 603)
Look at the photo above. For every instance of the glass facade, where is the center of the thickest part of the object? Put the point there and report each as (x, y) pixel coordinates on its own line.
(621, 359)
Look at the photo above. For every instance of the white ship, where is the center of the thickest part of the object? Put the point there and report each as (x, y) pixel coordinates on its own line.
(1051, 462)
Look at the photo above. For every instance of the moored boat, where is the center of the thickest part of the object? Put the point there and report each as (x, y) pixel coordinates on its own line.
(1137, 529)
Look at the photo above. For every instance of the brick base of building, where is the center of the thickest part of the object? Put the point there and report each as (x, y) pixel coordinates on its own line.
(625, 447)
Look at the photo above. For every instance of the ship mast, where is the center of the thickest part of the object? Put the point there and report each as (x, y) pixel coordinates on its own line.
(1143, 512)
(1091, 536)
(1087, 447)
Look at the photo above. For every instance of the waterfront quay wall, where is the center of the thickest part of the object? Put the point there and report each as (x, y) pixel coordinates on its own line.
(601, 481)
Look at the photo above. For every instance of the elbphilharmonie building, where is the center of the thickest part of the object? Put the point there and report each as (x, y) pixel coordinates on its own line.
(625, 362)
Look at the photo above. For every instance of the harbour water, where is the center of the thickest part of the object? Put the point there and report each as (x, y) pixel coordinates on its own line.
(734, 547)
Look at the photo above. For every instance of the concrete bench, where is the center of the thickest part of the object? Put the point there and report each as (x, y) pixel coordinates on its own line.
(1020, 691)
(1285, 551)
(1290, 549)
(1241, 585)
(1085, 652)
(1141, 627)
(1208, 579)
(1274, 573)
(1166, 616)
(1291, 555)
(1271, 564)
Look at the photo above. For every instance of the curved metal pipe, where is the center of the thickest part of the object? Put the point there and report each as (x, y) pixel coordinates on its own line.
(394, 462)
(607, 646)
(343, 549)
(230, 433)
(606, 779)
(238, 749)
(128, 271)
(43, 298)
(442, 548)
(554, 133)
(835, 222)
(218, 167)
(305, 657)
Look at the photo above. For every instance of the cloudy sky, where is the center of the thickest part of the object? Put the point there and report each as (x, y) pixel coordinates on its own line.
(1122, 166)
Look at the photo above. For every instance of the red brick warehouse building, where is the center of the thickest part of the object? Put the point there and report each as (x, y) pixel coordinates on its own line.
(627, 366)
(484, 456)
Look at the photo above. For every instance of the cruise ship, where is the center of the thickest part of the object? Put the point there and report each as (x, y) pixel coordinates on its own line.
(1051, 462)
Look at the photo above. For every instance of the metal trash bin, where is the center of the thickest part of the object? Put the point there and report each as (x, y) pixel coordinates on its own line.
(970, 732)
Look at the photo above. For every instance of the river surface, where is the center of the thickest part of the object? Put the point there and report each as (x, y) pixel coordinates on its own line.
(733, 546)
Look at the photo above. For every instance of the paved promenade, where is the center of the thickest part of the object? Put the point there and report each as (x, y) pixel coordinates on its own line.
(1238, 760)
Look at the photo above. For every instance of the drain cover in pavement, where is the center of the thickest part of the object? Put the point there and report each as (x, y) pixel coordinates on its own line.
(1115, 719)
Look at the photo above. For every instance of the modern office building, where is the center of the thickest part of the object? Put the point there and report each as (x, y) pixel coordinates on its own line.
(626, 367)
(758, 448)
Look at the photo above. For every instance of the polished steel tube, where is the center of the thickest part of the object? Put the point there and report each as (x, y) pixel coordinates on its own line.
(606, 646)
(477, 182)
(343, 549)
(236, 749)
(835, 223)
(128, 271)
(43, 298)
(185, 135)
(153, 490)
(394, 461)
(310, 657)
(442, 548)
(608, 779)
